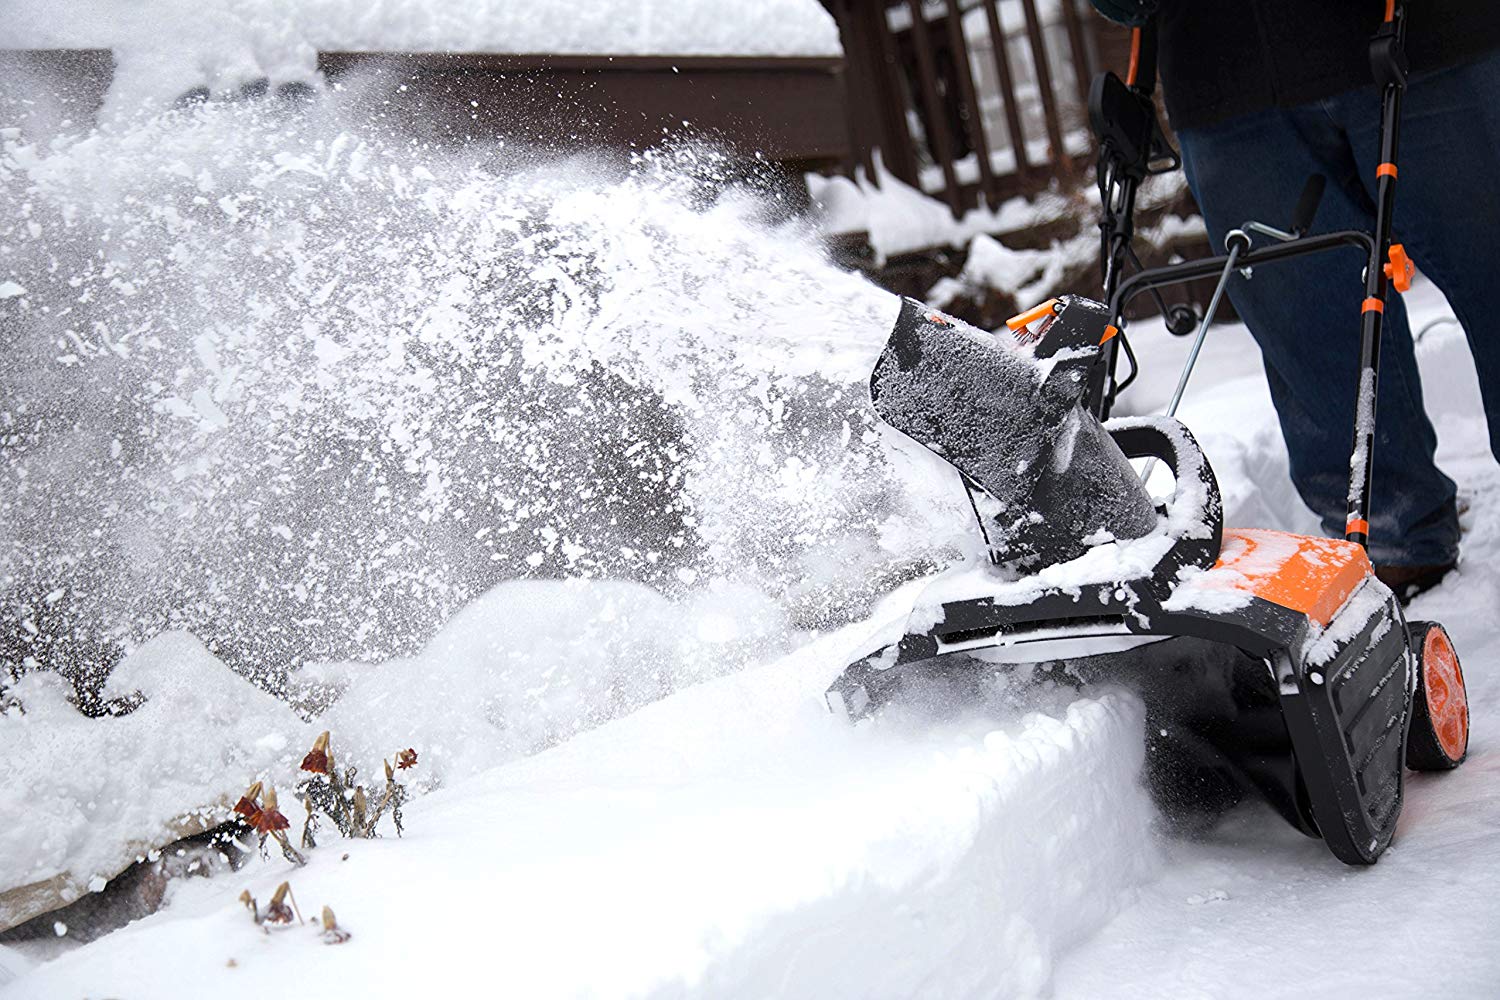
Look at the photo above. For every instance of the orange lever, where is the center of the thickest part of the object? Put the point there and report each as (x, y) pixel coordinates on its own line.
(1031, 315)
(1400, 270)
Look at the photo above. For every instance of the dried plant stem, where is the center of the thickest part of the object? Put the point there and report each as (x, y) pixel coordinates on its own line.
(287, 850)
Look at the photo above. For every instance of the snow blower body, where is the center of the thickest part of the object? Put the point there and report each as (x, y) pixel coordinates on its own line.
(1268, 662)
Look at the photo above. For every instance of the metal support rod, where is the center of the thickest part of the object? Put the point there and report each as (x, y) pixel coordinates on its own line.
(1235, 242)
(1235, 246)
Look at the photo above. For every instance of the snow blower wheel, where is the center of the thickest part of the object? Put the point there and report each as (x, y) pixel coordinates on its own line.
(1439, 737)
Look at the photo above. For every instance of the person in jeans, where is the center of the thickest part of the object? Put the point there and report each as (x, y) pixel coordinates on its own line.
(1264, 93)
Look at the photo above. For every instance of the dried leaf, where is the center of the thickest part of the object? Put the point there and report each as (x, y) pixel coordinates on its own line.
(406, 758)
(269, 820)
(316, 761)
(269, 817)
(249, 810)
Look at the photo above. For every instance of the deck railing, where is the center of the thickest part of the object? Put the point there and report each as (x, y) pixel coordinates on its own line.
(972, 99)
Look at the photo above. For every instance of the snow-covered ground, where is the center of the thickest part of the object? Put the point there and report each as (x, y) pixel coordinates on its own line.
(719, 834)
(736, 840)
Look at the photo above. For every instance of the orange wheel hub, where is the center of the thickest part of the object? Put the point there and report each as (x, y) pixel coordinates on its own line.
(1447, 702)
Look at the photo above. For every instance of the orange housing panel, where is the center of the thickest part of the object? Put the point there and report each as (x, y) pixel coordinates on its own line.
(1312, 575)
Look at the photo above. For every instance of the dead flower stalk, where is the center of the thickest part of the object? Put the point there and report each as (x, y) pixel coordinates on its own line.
(258, 808)
(337, 794)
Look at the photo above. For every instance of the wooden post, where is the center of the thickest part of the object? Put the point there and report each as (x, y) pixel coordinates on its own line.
(1082, 69)
(900, 156)
(937, 128)
(1007, 89)
(1060, 158)
(861, 89)
(973, 120)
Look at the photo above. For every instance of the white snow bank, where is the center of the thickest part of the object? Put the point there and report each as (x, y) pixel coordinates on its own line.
(524, 666)
(83, 797)
(163, 48)
(733, 840)
(533, 662)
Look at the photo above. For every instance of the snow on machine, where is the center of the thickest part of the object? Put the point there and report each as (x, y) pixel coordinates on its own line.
(1267, 661)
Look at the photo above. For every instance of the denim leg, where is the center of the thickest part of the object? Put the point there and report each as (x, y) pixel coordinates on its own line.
(1447, 200)
(1305, 315)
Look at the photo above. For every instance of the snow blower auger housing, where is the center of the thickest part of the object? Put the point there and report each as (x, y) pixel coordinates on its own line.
(1268, 662)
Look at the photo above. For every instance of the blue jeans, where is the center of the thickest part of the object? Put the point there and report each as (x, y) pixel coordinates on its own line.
(1304, 314)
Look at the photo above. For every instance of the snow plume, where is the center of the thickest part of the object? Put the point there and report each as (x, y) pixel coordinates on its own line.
(305, 391)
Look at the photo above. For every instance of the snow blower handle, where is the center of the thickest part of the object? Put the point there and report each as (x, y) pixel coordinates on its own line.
(1389, 67)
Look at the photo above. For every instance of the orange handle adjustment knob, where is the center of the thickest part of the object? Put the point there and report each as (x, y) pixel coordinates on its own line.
(1031, 315)
(1400, 269)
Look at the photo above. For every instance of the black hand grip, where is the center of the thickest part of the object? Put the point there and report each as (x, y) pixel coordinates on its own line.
(1307, 205)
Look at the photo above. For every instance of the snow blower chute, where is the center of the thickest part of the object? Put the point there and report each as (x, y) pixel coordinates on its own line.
(1268, 662)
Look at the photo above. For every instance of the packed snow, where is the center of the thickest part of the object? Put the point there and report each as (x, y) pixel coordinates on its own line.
(633, 786)
(693, 849)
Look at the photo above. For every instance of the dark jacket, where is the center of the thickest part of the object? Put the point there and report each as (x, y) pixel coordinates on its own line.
(1222, 58)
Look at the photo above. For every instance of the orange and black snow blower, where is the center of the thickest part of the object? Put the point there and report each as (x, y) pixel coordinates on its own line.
(1268, 662)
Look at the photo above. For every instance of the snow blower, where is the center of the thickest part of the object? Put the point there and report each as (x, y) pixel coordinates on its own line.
(1268, 662)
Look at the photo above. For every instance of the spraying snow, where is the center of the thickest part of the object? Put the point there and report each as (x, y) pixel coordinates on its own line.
(286, 387)
(305, 393)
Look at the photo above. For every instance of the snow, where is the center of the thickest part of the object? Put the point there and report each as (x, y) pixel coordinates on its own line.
(735, 839)
(719, 835)
(1372, 599)
(523, 667)
(899, 219)
(533, 662)
(163, 48)
(85, 797)
(12, 965)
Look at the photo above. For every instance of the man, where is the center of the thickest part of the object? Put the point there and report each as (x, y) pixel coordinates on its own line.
(1264, 93)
